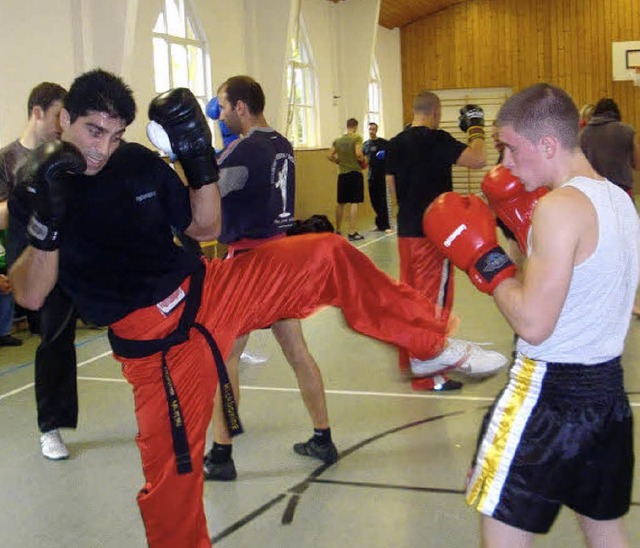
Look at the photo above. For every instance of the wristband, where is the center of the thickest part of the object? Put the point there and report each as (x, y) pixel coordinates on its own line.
(42, 236)
(475, 132)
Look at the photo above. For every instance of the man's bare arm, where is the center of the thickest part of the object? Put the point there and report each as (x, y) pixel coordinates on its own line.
(33, 276)
(391, 185)
(4, 215)
(532, 306)
(206, 213)
(359, 153)
(474, 156)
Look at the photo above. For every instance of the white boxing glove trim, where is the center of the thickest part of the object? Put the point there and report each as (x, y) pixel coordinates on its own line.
(159, 138)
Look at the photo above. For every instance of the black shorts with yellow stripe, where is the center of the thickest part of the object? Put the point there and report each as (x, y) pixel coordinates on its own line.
(558, 434)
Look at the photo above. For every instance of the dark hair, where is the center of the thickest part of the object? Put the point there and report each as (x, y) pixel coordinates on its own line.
(539, 110)
(245, 89)
(100, 91)
(352, 122)
(43, 95)
(373, 124)
(607, 106)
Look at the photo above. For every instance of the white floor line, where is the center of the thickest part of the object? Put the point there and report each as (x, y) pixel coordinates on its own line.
(16, 391)
(30, 385)
(379, 238)
(345, 392)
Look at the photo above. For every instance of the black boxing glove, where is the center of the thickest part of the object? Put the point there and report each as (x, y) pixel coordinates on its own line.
(44, 177)
(471, 121)
(185, 130)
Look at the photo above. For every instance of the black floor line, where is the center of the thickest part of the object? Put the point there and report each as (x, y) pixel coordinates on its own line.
(371, 485)
(297, 490)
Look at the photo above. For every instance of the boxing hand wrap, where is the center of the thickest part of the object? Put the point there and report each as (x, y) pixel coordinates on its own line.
(43, 236)
(463, 229)
(512, 204)
(491, 269)
(180, 115)
(475, 132)
(160, 139)
(44, 176)
(471, 121)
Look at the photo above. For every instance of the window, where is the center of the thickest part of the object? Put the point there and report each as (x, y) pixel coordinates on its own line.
(374, 114)
(180, 51)
(301, 86)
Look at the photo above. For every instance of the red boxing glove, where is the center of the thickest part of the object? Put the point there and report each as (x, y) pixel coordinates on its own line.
(464, 230)
(511, 202)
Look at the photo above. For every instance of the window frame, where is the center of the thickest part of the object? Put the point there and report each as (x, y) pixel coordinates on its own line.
(302, 102)
(200, 82)
(374, 115)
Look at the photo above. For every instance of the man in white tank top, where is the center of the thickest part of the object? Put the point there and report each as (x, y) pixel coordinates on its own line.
(561, 432)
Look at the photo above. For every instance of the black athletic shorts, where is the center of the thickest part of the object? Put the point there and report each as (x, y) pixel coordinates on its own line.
(558, 434)
(351, 188)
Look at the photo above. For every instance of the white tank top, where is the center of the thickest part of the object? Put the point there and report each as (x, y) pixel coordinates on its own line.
(595, 317)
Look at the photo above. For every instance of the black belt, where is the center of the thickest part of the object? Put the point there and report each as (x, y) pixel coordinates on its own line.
(130, 348)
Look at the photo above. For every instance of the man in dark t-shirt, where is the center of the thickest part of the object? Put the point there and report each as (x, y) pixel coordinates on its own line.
(55, 360)
(374, 150)
(419, 161)
(257, 186)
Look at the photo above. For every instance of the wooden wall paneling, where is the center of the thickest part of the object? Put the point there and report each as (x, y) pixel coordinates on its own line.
(515, 43)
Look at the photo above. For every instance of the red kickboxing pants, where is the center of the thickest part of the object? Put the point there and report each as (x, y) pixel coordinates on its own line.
(288, 278)
(424, 268)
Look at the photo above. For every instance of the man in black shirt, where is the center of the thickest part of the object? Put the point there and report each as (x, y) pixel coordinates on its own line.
(374, 149)
(419, 162)
(55, 360)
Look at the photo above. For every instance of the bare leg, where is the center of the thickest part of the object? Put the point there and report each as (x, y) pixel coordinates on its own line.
(353, 215)
(603, 534)
(496, 534)
(220, 433)
(339, 212)
(289, 335)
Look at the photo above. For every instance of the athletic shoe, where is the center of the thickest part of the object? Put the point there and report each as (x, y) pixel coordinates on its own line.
(436, 383)
(219, 471)
(52, 446)
(355, 237)
(327, 452)
(462, 357)
(251, 358)
(9, 340)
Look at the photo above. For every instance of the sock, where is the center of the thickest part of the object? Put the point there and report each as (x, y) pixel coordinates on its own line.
(220, 453)
(322, 435)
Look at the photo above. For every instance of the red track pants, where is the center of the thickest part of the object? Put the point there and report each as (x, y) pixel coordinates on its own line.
(424, 268)
(288, 278)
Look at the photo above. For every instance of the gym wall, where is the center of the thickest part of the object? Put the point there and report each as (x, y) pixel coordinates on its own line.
(515, 43)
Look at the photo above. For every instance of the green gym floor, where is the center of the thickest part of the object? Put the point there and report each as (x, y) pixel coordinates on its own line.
(398, 483)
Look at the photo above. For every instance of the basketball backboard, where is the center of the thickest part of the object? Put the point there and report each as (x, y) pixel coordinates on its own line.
(625, 57)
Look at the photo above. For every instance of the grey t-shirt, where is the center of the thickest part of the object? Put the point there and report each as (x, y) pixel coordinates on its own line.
(11, 159)
(608, 145)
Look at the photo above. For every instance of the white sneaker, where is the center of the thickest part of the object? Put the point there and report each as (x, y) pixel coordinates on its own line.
(251, 358)
(52, 445)
(461, 356)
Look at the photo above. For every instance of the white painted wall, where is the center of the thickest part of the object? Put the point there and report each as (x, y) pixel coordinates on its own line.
(58, 39)
(387, 51)
(36, 46)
